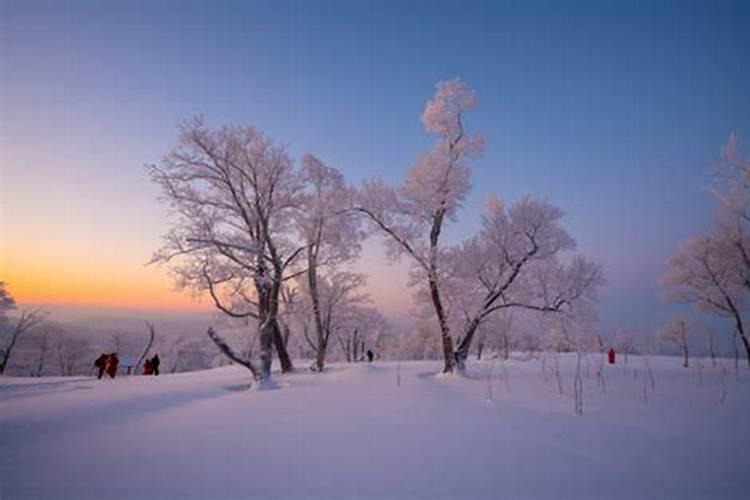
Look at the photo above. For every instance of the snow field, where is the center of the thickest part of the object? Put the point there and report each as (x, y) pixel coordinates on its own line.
(351, 433)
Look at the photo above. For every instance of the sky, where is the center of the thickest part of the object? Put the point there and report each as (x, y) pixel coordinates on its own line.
(613, 111)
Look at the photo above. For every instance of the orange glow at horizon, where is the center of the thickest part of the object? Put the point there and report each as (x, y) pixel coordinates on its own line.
(72, 273)
(95, 283)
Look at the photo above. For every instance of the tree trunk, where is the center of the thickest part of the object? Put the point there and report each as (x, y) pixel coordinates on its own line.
(6, 352)
(448, 355)
(267, 326)
(747, 348)
(266, 353)
(685, 353)
(312, 282)
(432, 278)
(480, 348)
(320, 354)
(736, 355)
(270, 320)
(278, 341)
(462, 352)
(741, 332)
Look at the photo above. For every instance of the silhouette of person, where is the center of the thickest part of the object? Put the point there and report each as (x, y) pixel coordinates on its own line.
(155, 365)
(100, 364)
(111, 364)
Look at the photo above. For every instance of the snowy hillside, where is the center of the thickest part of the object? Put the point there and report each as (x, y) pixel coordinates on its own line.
(352, 432)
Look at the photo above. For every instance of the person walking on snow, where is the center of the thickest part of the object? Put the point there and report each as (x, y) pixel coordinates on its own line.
(111, 365)
(155, 365)
(100, 364)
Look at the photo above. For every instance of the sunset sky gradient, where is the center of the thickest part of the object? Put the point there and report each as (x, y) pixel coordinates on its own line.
(613, 111)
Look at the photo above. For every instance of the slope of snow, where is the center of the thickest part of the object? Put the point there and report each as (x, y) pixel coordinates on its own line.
(351, 433)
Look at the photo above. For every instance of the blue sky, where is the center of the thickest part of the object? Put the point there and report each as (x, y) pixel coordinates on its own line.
(613, 111)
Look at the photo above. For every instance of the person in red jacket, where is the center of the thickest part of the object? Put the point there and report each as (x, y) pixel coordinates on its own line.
(611, 355)
(147, 367)
(111, 366)
(100, 364)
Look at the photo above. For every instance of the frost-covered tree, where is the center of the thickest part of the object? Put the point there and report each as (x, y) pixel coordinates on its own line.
(712, 270)
(732, 229)
(515, 262)
(366, 326)
(699, 274)
(420, 343)
(28, 320)
(232, 193)
(413, 215)
(43, 349)
(496, 334)
(338, 295)
(69, 352)
(290, 312)
(675, 332)
(332, 237)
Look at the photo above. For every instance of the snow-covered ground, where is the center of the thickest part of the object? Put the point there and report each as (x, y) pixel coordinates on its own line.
(351, 433)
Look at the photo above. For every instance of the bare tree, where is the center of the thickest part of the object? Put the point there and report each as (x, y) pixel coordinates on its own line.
(339, 298)
(732, 187)
(362, 326)
(28, 319)
(43, 351)
(487, 268)
(698, 274)
(412, 217)
(69, 352)
(232, 192)
(513, 263)
(712, 271)
(349, 342)
(289, 312)
(331, 234)
(675, 332)
(496, 334)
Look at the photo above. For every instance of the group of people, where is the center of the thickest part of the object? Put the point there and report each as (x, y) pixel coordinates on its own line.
(151, 366)
(107, 363)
